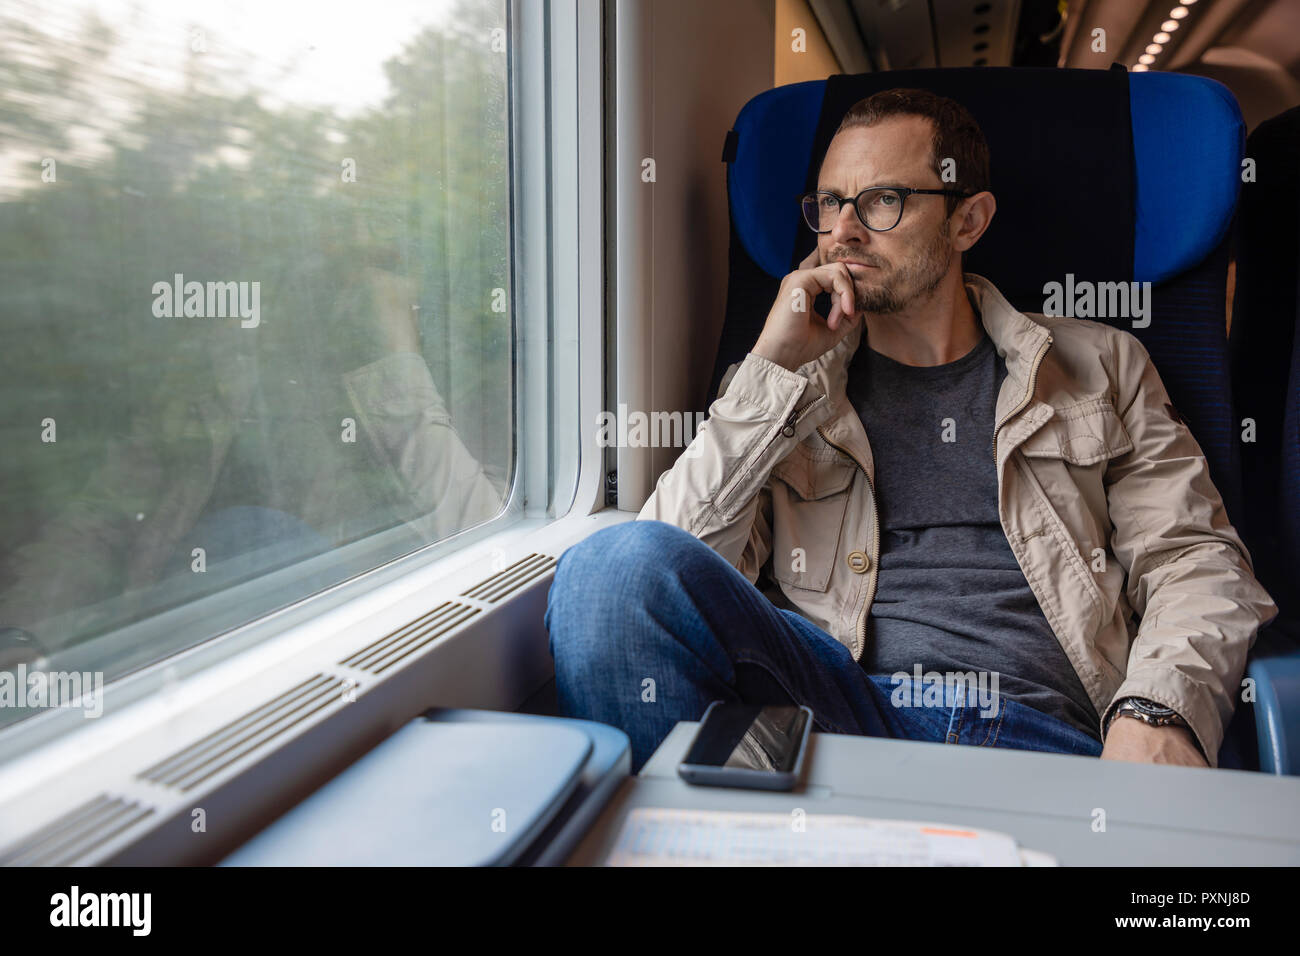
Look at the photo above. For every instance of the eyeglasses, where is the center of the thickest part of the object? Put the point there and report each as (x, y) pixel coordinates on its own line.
(879, 208)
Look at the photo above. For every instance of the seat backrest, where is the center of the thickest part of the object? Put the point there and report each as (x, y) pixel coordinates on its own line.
(1160, 154)
(1265, 348)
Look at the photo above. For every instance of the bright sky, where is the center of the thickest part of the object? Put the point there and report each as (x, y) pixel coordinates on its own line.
(309, 52)
(329, 51)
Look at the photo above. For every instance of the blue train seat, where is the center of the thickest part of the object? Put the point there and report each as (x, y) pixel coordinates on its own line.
(1102, 175)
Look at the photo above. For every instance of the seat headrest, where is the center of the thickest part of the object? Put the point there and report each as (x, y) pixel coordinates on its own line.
(1160, 153)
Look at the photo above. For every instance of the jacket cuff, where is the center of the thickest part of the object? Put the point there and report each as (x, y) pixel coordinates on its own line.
(1171, 688)
(765, 385)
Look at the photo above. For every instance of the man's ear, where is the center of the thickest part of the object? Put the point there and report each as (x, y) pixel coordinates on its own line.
(973, 217)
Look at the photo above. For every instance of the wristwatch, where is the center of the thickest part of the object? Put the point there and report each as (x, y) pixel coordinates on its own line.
(1147, 711)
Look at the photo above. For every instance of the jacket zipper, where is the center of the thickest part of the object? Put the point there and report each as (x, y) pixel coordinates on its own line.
(875, 546)
(1033, 384)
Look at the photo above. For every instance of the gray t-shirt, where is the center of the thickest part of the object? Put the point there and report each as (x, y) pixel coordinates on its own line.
(951, 595)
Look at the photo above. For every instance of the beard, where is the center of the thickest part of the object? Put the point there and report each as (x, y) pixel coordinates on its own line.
(901, 286)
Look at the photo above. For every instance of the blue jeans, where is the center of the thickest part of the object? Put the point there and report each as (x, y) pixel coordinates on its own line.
(648, 625)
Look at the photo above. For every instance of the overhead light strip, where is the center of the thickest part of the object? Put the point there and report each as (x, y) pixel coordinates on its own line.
(1168, 28)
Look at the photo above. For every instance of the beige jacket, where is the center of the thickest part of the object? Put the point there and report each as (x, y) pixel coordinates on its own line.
(1105, 499)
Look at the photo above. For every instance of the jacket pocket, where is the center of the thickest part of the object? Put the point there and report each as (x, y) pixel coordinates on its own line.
(1082, 434)
(810, 498)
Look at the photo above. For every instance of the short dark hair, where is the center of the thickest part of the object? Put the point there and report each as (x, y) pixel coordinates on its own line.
(956, 134)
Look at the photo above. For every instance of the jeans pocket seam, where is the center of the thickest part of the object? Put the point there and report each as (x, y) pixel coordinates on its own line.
(996, 729)
(953, 736)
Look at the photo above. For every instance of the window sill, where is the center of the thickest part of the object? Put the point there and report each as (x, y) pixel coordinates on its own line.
(234, 744)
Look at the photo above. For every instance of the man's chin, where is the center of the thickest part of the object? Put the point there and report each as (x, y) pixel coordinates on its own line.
(874, 299)
(877, 307)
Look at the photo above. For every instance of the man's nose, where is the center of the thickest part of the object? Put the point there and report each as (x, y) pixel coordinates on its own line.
(849, 226)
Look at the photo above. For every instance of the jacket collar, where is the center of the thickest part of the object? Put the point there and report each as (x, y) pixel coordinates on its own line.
(1017, 338)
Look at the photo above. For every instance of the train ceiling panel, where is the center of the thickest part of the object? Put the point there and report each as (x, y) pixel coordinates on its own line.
(916, 34)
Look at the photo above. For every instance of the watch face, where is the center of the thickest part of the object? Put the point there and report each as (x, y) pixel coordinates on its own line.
(1151, 707)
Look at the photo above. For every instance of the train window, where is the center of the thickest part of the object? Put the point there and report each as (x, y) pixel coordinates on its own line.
(257, 289)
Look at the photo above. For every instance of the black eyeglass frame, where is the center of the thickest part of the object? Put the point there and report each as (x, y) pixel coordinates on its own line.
(902, 192)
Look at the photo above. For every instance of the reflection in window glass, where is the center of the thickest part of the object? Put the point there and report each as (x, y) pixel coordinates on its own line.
(255, 296)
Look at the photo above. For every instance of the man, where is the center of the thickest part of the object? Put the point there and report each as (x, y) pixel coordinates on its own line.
(1030, 516)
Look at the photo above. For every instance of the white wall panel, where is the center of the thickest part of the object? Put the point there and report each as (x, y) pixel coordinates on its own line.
(683, 70)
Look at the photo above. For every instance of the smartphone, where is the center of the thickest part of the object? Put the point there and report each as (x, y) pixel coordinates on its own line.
(743, 745)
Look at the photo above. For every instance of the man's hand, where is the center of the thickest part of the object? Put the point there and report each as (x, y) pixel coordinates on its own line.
(1133, 740)
(791, 338)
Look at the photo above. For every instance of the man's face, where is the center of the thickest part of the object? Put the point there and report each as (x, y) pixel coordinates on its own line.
(909, 261)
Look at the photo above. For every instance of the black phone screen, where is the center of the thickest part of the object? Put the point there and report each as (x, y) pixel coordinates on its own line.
(747, 737)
